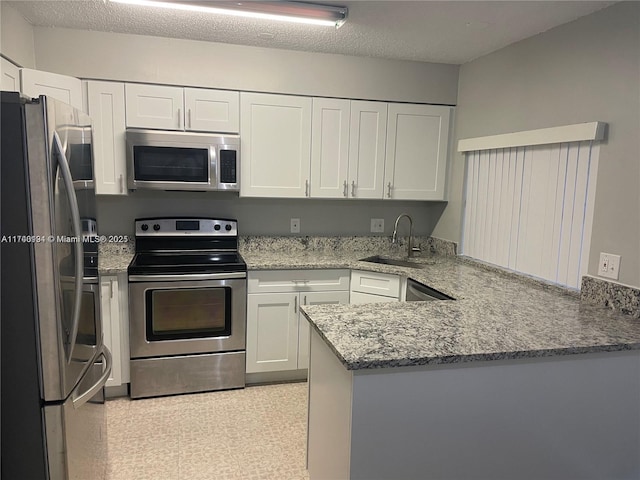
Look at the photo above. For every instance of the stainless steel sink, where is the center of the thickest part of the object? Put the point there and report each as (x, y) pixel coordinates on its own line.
(392, 261)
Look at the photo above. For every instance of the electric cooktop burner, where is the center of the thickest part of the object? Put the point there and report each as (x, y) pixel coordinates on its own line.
(185, 246)
(149, 263)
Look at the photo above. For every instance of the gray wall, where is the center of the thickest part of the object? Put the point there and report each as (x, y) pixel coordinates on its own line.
(583, 71)
(16, 37)
(267, 216)
(114, 56)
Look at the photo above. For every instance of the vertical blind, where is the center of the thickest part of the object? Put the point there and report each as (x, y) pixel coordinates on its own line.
(529, 209)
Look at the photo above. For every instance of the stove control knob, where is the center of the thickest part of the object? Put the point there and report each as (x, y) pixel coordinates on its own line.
(227, 227)
(156, 227)
(144, 227)
(216, 227)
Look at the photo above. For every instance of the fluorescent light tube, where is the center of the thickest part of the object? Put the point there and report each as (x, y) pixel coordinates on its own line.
(296, 12)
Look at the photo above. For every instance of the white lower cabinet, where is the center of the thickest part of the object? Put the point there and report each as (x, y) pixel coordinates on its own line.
(114, 312)
(277, 333)
(272, 332)
(314, 298)
(374, 287)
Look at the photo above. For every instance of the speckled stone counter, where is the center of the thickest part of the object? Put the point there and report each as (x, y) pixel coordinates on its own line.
(496, 315)
(114, 258)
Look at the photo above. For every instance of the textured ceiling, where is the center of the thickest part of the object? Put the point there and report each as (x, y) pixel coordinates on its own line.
(448, 32)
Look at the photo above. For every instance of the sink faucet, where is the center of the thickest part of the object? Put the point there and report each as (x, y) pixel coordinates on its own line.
(394, 238)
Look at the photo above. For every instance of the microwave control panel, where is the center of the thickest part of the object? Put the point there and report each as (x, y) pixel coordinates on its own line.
(228, 166)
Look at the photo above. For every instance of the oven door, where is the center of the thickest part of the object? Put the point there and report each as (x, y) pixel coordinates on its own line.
(176, 317)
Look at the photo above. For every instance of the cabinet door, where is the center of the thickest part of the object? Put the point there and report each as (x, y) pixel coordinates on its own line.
(330, 148)
(110, 314)
(61, 87)
(416, 160)
(272, 332)
(375, 283)
(106, 108)
(10, 76)
(366, 149)
(212, 110)
(358, 298)
(154, 106)
(275, 133)
(314, 298)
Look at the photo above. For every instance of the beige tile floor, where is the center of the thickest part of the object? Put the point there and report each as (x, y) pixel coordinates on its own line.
(252, 433)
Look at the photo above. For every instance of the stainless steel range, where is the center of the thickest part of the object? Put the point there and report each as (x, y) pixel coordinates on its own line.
(187, 301)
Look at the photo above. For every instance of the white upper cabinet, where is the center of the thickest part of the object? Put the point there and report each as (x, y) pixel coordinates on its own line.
(416, 152)
(212, 110)
(367, 149)
(330, 148)
(106, 108)
(61, 87)
(10, 76)
(176, 108)
(154, 106)
(275, 135)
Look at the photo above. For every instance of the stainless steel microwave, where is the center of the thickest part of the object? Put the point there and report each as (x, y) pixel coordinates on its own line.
(182, 161)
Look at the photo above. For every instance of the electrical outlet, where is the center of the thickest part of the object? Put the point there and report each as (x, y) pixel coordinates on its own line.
(609, 265)
(377, 225)
(295, 225)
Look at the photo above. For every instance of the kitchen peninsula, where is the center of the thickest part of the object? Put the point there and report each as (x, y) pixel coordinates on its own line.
(512, 380)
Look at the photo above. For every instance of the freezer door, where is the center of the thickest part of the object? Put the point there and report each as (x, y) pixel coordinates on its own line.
(77, 430)
(58, 259)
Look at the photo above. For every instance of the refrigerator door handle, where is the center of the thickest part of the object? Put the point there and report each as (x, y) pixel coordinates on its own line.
(95, 388)
(75, 213)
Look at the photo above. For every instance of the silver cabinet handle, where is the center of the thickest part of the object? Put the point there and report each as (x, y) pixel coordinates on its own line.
(389, 190)
(305, 299)
(306, 188)
(111, 288)
(346, 189)
(121, 181)
(295, 304)
(189, 117)
(353, 188)
(179, 118)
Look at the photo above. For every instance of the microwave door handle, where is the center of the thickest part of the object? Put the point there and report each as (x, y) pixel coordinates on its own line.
(75, 217)
(88, 394)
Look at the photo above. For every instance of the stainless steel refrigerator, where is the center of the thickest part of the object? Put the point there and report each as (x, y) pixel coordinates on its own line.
(53, 361)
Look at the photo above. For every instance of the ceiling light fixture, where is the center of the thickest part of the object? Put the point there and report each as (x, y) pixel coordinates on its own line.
(296, 12)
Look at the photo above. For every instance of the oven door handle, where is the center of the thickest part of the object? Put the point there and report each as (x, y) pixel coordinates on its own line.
(187, 276)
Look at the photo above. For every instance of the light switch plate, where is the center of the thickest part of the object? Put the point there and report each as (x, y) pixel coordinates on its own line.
(295, 225)
(609, 265)
(377, 225)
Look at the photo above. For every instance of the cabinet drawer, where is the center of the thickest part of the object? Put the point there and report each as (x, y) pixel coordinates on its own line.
(271, 281)
(375, 283)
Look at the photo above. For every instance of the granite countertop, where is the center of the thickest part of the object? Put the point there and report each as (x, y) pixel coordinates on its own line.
(496, 315)
(114, 258)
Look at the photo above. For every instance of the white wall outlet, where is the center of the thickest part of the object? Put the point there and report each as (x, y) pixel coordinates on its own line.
(377, 225)
(295, 225)
(609, 265)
